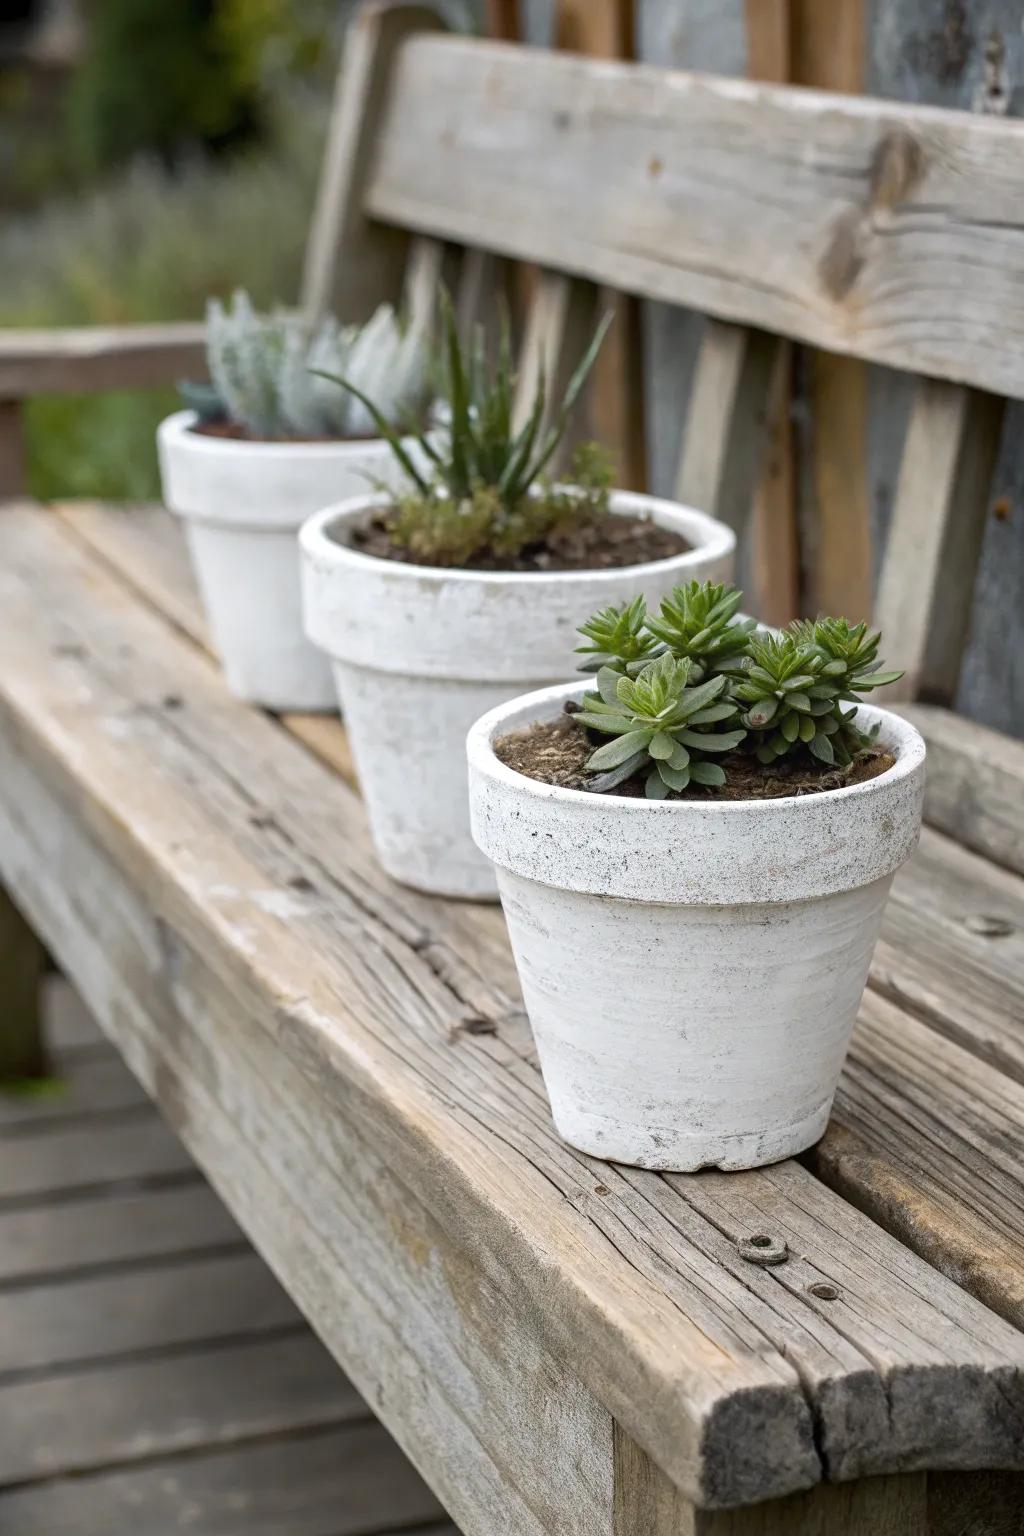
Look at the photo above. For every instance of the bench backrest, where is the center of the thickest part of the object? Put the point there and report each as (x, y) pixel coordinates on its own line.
(883, 231)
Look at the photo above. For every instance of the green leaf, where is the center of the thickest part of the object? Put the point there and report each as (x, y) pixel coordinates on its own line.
(797, 700)
(761, 713)
(821, 748)
(707, 773)
(601, 783)
(877, 681)
(615, 752)
(807, 728)
(790, 727)
(655, 788)
(710, 741)
(711, 714)
(675, 778)
(611, 725)
(383, 426)
(680, 757)
(607, 685)
(661, 745)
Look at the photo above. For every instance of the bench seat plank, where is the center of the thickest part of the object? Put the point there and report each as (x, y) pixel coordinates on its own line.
(238, 925)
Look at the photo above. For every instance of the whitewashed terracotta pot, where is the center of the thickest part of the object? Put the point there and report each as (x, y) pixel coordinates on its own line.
(419, 653)
(242, 504)
(692, 968)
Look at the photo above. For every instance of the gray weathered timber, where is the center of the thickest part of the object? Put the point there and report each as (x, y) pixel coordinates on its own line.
(22, 1050)
(322, 1483)
(828, 219)
(591, 1278)
(559, 324)
(975, 788)
(938, 520)
(111, 1228)
(938, 53)
(352, 264)
(724, 439)
(97, 357)
(77, 1158)
(67, 1322)
(60, 1425)
(927, 1138)
(76, 1090)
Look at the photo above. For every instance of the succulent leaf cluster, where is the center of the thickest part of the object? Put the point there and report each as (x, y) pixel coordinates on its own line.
(478, 485)
(267, 370)
(677, 688)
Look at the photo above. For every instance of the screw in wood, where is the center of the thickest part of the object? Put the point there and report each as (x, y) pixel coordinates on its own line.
(762, 1249)
(823, 1292)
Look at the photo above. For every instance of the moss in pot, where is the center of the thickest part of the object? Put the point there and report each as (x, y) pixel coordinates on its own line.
(416, 595)
(693, 859)
(259, 449)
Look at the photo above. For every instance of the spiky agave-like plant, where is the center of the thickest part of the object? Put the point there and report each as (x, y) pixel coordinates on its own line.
(476, 486)
(654, 719)
(794, 686)
(266, 370)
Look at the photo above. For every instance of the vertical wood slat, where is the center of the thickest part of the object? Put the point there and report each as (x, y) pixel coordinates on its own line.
(772, 574)
(724, 438)
(482, 287)
(424, 275)
(927, 583)
(353, 264)
(22, 962)
(828, 51)
(558, 327)
(605, 29)
(646, 1503)
(502, 20)
(12, 450)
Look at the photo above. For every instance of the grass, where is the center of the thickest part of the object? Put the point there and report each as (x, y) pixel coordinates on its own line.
(152, 245)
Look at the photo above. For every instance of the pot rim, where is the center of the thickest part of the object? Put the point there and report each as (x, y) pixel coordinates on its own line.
(708, 537)
(909, 747)
(175, 432)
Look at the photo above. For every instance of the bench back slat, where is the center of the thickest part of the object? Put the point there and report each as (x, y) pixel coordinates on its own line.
(886, 231)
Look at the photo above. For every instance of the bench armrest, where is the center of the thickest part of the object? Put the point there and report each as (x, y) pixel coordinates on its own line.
(87, 359)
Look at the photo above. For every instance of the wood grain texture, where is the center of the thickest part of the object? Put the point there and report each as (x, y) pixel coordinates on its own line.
(927, 582)
(843, 223)
(724, 439)
(61, 1425)
(635, 1288)
(22, 1049)
(975, 788)
(112, 1228)
(351, 264)
(77, 1159)
(98, 357)
(325, 1481)
(79, 1089)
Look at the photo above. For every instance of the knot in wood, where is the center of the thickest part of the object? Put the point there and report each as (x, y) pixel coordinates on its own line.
(762, 1249)
(988, 925)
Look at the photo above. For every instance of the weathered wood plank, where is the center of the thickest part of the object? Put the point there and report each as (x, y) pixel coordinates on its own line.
(927, 581)
(559, 323)
(631, 1276)
(22, 1049)
(98, 357)
(69, 1322)
(80, 1087)
(70, 1027)
(112, 1229)
(346, 1481)
(138, 541)
(67, 1162)
(926, 1138)
(724, 441)
(975, 1504)
(952, 950)
(975, 789)
(646, 1504)
(352, 264)
(846, 223)
(217, 1394)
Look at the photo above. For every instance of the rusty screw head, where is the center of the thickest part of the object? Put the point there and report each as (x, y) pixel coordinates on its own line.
(762, 1249)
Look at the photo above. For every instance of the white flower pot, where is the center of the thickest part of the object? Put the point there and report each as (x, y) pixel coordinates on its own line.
(419, 653)
(243, 503)
(692, 968)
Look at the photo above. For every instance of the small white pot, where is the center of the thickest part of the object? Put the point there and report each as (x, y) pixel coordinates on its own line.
(692, 968)
(243, 503)
(419, 653)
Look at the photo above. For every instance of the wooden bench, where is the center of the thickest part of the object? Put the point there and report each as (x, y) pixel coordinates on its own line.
(563, 1346)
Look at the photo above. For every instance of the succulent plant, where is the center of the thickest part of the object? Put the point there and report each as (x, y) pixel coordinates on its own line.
(779, 694)
(655, 719)
(479, 486)
(268, 370)
(794, 685)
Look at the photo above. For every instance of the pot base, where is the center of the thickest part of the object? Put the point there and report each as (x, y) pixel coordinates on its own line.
(670, 1151)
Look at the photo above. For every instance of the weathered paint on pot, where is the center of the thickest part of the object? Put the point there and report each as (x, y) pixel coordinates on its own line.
(692, 969)
(419, 653)
(242, 504)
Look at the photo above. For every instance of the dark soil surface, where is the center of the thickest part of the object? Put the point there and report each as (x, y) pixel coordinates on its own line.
(601, 544)
(554, 752)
